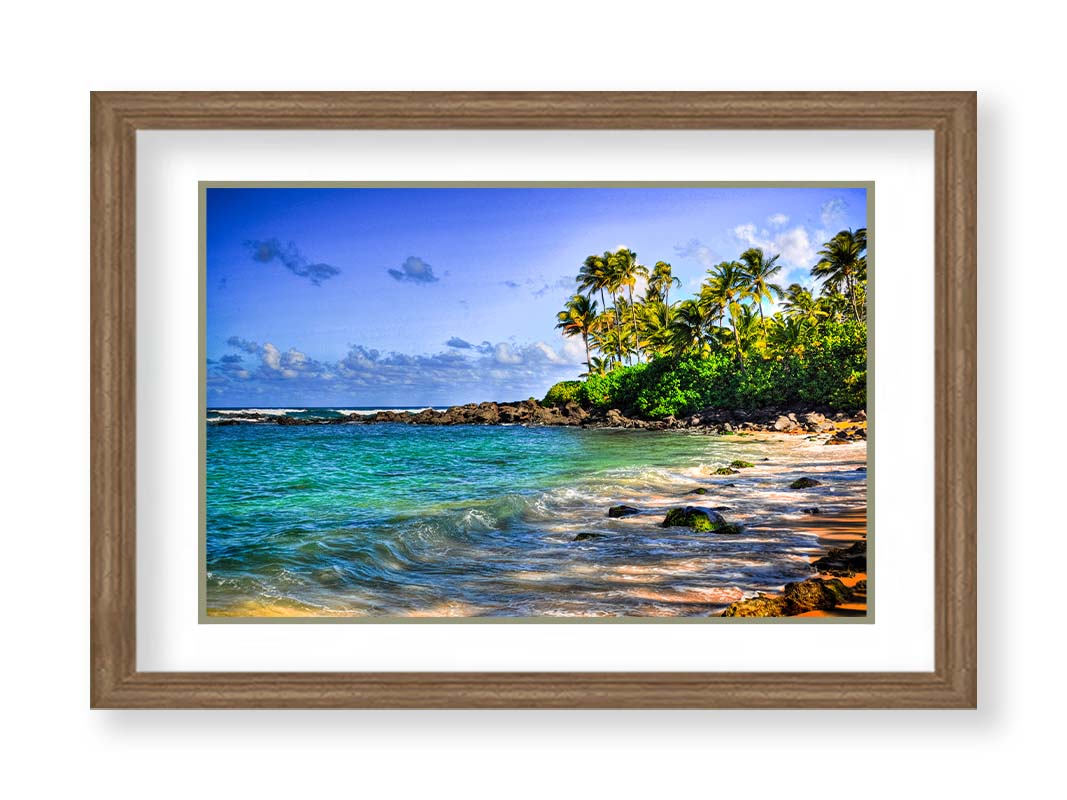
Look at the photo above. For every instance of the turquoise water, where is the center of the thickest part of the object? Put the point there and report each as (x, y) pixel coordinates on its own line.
(391, 520)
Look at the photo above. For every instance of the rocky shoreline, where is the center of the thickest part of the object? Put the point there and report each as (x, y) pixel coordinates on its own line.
(841, 573)
(839, 580)
(844, 427)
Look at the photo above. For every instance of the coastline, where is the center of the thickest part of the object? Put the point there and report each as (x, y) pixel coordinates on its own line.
(843, 537)
(617, 535)
(843, 426)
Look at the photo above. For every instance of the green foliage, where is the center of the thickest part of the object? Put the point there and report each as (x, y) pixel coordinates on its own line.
(657, 357)
(827, 366)
(617, 389)
(562, 393)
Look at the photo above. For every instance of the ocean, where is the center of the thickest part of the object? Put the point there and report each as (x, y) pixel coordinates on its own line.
(389, 520)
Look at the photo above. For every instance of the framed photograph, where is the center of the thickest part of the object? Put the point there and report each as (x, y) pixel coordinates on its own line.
(576, 400)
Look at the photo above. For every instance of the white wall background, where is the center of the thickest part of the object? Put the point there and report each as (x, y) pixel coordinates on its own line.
(52, 56)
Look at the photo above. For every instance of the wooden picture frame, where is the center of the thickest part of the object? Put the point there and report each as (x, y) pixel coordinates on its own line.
(116, 681)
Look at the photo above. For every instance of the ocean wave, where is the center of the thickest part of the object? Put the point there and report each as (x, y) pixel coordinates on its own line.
(367, 412)
(492, 523)
(273, 412)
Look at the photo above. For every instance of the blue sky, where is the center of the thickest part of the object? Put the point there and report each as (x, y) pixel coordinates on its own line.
(435, 296)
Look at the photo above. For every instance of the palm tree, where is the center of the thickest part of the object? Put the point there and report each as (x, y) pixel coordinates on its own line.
(624, 269)
(843, 264)
(725, 290)
(613, 342)
(798, 304)
(578, 318)
(597, 366)
(750, 327)
(758, 270)
(785, 332)
(592, 277)
(691, 327)
(661, 281)
(655, 327)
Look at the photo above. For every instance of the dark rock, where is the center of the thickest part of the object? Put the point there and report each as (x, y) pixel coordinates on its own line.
(844, 561)
(804, 483)
(725, 471)
(739, 464)
(812, 510)
(759, 606)
(623, 511)
(814, 594)
(581, 537)
(700, 490)
(703, 520)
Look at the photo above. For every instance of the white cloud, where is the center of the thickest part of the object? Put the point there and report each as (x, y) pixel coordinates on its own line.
(272, 359)
(832, 213)
(778, 220)
(503, 355)
(499, 371)
(573, 349)
(698, 251)
(794, 245)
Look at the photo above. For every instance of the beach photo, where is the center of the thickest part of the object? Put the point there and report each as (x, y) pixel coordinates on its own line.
(572, 403)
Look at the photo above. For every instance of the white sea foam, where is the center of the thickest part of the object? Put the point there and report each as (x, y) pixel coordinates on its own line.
(366, 412)
(268, 411)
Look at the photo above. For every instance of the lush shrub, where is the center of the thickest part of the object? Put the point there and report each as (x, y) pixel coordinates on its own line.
(562, 393)
(833, 366)
(828, 367)
(618, 389)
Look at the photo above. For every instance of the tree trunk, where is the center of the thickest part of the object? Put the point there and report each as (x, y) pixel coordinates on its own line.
(737, 341)
(633, 316)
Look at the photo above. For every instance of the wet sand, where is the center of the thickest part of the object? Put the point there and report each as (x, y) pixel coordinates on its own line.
(840, 531)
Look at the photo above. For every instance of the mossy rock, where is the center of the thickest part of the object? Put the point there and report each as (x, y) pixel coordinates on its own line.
(804, 483)
(759, 606)
(622, 511)
(797, 598)
(725, 471)
(581, 537)
(729, 528)
(702, 520)
(701, 490)
(739, 464)
(815, 595)
(844, 561)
